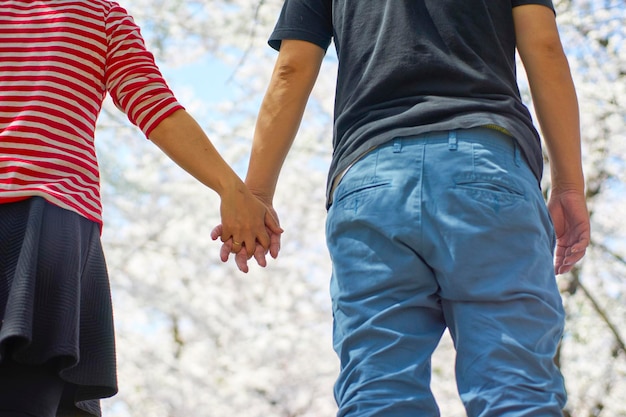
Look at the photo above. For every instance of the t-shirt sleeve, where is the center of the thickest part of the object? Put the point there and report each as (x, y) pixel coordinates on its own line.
(547, 3)
(133, 79)
(304, 20)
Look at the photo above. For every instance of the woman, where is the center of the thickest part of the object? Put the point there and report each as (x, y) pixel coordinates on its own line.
(58, 60)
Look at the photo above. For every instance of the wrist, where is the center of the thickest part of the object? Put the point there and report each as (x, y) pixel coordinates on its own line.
(561, 188)
(263, 194)
(568, 178)
(568, 184)
(230, 184)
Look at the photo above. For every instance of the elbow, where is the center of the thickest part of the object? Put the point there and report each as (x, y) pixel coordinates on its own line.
(290, 78)
(298, 64)
(546, 45)
(286, 72)
(550, 47)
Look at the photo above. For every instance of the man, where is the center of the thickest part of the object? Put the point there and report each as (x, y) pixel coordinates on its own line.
(435, 215)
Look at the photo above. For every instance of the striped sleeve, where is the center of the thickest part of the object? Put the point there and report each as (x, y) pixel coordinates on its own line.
(132, 77)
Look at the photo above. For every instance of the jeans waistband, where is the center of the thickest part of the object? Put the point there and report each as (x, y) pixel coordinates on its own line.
(480, 134)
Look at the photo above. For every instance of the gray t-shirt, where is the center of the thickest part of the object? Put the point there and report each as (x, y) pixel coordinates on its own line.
(413, 66)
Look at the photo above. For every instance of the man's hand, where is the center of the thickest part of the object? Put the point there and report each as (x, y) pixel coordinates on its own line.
(246, 221)
(293, 78)
(571, 224)
(241, 257)
(242, 254)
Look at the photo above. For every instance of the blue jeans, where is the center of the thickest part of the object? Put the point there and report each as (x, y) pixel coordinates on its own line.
(447, 229)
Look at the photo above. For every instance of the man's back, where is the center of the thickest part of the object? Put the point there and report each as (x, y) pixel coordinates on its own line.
(409, 67)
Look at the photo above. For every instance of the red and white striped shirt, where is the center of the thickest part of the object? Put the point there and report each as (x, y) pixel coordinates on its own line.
(58, 59)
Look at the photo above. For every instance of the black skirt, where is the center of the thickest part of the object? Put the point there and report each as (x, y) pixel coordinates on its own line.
(55, 300)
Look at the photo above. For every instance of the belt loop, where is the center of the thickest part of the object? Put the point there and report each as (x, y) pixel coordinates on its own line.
(397, 145)
(453, 143)
(518, 155)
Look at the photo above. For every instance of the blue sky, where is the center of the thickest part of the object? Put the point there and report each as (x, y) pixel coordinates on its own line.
(207, 77)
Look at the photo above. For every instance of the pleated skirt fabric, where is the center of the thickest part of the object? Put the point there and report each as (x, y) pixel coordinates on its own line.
(55, 300)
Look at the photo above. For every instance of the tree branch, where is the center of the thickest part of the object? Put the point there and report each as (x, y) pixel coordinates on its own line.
(599, 310)
(621, 259)
(244, 57)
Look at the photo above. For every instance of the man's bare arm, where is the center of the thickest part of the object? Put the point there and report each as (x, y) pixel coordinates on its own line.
(280, 115)
(556, 105)
(293, 78)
